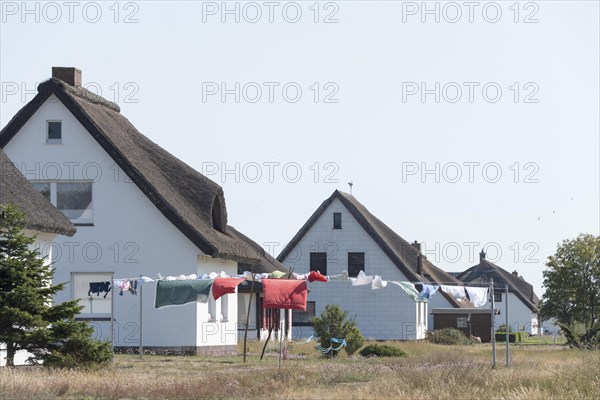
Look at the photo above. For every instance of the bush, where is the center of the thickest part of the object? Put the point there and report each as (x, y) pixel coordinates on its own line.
(79, 351)
(513, 337)
(447, 336)
(354, 340)
(374, 350)
(333, 324)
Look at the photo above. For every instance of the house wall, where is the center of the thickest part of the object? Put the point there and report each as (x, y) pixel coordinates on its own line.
(129, 237)
(520, 316)
(386, 313)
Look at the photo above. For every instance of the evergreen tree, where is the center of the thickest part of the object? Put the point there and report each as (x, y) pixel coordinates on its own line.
(28, 319)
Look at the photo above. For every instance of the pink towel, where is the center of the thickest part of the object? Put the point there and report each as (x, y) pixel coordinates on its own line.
(285, 293)
(223, 286)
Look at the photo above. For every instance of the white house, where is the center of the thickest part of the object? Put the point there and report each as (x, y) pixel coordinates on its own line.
(342, 235)
(522, 301)
(138, 210)
(43, 221)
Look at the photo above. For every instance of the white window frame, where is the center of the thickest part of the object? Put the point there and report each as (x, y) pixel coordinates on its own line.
(109, 296)
(53, 141)
(54, 199)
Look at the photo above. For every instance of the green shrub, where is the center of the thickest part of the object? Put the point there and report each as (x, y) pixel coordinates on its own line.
(80, 351)
(354, 340)
(374, 350)
(447, 336)
(513, 337)
(333, 324)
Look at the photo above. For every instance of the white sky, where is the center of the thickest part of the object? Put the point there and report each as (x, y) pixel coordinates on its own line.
(170, 55)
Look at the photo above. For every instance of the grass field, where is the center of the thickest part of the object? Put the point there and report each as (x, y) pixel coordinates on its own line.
(429, 371)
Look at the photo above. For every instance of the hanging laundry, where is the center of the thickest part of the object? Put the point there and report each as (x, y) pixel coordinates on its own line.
(285, 293)
(300, 276)
(477, 295)
(339, 277)
(458, 292)
(99, 287)
(316, 276)
(410, 290)
(361, 279)
(428, 290)
(144, 279)
(223, 286)
(277, 274)
(124, 285)
(378, 283)
(177, 292)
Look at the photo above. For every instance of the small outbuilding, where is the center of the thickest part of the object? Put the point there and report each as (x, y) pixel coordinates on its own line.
(470, 321)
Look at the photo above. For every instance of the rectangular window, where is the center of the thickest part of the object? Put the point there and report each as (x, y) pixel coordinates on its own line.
(318, 262)
(90, 290)
(54, 132)
(304, 318)
(73, 199)
(498, 297)
(337, 220)
(462, 322)
(356, 263)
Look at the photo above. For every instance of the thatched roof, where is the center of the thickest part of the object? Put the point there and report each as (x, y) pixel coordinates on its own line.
(486, 270)
(400, 252)
(267, 263)
(191, 201)
(41, 216)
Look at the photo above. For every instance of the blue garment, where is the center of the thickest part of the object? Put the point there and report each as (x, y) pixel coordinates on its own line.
(428, 291)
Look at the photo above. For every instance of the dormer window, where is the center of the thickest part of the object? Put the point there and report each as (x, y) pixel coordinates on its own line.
(337, 220)
(54, 132)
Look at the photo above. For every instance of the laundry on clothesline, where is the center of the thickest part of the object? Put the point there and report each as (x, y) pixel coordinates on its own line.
(285, 293)
(410, 290)
(477, 295)
(126, 285)
(361, 279)
(223, 286)
(339, 277)
(316, 276)
(99, 287)
(427, 290)
(178, 292)
(458, 292)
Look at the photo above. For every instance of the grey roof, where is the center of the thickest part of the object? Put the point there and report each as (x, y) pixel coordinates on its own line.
(191, 201)
(400, 252)
(485, 270)
(41, 216)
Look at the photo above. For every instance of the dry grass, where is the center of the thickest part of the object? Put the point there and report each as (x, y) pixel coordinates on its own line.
(430, 371)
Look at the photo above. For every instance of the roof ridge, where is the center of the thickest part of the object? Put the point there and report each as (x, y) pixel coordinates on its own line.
(82, 93)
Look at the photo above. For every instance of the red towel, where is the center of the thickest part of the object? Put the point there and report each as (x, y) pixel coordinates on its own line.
(285, 293)
(316, 276)
(223, 286)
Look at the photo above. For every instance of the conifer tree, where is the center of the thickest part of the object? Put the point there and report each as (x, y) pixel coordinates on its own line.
(28, 318)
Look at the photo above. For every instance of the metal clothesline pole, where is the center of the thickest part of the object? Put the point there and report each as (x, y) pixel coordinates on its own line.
(506, 323)
(493, 327)
(141, 286)
(112, 317)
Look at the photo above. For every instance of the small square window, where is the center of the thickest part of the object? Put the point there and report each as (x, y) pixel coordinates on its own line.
(337, 220)
(497, 297)
(43, 188)
(54, 132)
(74, 199)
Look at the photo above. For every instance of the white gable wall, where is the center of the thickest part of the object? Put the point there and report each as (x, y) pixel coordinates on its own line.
(386, 313)
(130, 236)
(520, 317)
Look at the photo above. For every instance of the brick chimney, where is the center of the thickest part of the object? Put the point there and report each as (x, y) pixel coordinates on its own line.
(481, 255)
(515, 273)
(417, 246)
(69, 75)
